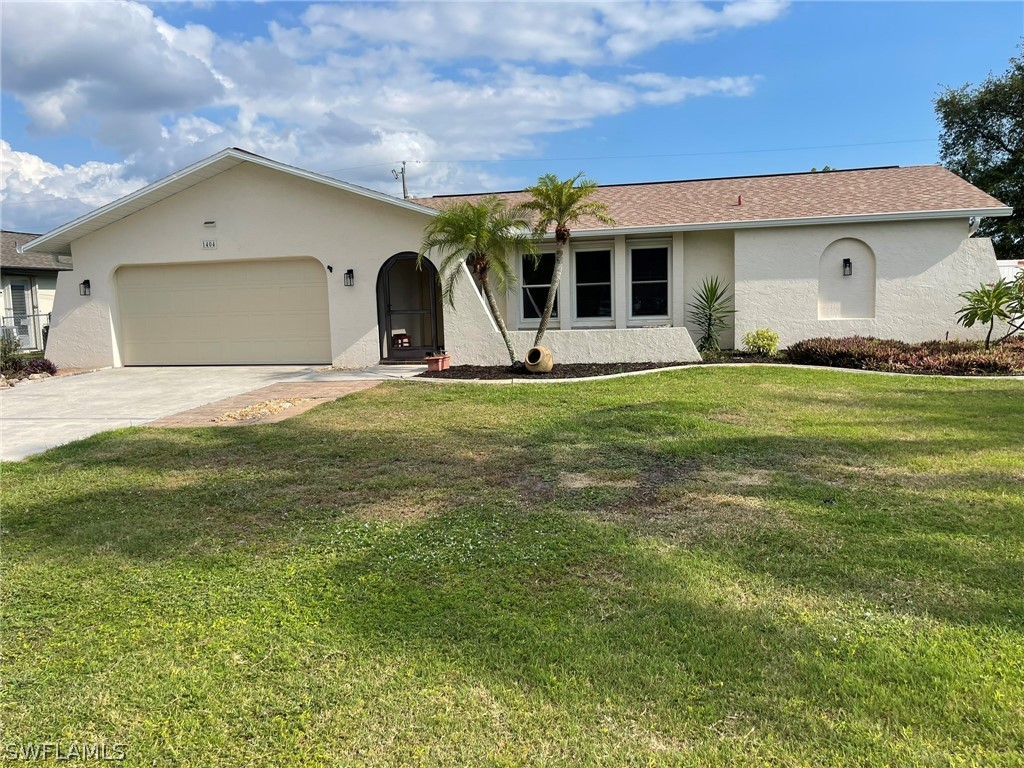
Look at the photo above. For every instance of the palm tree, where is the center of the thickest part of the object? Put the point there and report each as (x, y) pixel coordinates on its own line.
(486, 237)
(561, 202)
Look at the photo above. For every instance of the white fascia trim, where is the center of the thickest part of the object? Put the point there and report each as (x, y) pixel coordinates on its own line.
(800, 221)
(39, 244)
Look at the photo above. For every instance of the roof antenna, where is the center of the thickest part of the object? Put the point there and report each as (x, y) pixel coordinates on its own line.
(401, 175)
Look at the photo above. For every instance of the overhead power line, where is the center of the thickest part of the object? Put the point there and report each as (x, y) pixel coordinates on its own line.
(553, 160)
(641, 157)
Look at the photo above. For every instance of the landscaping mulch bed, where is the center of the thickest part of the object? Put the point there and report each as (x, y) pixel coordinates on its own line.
(573, 370)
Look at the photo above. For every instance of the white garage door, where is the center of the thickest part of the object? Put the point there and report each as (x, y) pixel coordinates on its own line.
(225, 313)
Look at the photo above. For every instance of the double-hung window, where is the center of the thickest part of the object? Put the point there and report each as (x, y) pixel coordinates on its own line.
(649, 281)
(534, 286)
(593, 274)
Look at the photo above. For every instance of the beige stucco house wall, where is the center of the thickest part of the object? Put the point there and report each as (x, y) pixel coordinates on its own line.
(905, 270)
(920, 268)
(260, 213)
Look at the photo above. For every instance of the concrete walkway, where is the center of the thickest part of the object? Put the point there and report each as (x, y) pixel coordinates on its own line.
(300, 395)
(38, 415)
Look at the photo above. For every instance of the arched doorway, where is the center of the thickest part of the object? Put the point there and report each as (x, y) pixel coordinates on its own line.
(409, 308)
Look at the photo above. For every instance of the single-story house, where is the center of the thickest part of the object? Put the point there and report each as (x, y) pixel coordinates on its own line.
(241, 259)
(29, 282)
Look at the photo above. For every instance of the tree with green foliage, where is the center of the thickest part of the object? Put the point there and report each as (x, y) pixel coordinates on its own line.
(1002, 301)
(982, 140)
(486, 237)
(561, 203)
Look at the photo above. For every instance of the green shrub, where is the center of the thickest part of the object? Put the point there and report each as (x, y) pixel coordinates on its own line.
(10, 351)
(945, 357)
(763, 341)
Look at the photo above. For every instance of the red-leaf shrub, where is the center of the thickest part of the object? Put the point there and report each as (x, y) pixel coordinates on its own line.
(38, 365)
(946, 357)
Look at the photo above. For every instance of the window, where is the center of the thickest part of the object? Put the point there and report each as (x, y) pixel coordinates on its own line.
(649, 281)
(594, 284)
(535, 285)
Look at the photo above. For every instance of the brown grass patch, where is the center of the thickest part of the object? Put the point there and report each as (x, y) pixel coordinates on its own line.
(580, 480)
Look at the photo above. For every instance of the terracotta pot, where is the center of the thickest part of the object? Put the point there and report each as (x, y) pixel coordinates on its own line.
(539, 360)
(439, 362)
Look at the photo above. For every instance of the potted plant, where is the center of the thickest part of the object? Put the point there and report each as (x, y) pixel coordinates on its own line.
(439, 361)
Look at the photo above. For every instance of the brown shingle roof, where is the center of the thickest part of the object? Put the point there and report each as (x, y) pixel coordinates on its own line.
(862, 192)
(11, 259)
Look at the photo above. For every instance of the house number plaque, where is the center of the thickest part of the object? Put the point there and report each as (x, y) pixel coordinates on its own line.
(209, 245)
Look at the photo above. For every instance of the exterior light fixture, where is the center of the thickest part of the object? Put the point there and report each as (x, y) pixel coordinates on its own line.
(84, 288)
(209, 223)
(847, 267)
(350, 277)
(330, 268)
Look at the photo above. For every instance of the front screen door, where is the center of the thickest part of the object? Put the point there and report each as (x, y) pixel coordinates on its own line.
(410, 308)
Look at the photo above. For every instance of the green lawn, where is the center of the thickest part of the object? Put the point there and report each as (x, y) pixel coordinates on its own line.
(712, 567)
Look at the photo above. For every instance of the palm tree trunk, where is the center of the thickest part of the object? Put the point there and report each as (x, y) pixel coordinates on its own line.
(489, 295)
(549, 305)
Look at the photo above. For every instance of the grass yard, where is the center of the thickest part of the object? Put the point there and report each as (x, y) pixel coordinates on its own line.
(713, 567)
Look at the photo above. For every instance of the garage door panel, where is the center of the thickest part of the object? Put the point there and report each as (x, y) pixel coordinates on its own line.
(272, 311)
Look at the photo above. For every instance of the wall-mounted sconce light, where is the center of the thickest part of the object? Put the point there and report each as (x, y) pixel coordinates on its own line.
(350, 277)
(210, 224)
(330, 268)
(847, 267)
(84, 288)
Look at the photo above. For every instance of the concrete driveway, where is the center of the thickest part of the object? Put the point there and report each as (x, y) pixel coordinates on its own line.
(38, 415)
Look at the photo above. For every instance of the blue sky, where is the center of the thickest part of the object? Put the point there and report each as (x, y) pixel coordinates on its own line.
(99, 99)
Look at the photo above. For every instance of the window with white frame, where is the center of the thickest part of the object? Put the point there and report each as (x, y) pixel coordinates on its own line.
(648, 281)
(534, 285)
(593, 278)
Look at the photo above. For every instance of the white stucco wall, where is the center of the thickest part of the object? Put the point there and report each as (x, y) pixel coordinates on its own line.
(707, 255)
(587, 345)
(921, 267)
(259, 213)
(841, 295)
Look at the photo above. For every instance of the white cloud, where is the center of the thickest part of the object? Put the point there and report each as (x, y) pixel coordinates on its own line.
(348, 86)
(34, 190)
(585, 32)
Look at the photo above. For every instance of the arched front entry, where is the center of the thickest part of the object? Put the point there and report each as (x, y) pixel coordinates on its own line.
(409, 309)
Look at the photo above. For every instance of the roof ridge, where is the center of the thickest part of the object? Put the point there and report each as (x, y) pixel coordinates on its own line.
(706, 178)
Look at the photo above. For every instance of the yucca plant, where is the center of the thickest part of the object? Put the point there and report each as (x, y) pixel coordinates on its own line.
(710, 313)
(486, 237)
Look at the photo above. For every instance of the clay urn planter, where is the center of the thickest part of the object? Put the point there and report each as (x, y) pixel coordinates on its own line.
(439, 362)
(539, 360)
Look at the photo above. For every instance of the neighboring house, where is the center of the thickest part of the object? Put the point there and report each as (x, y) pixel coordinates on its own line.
(29, 281)
(240, 259)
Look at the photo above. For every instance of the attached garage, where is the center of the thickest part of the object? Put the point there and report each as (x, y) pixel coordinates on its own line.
(224, 313)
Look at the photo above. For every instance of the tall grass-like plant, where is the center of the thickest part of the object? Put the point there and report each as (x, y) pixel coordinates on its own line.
(486, 237)
(996, 302)
(710, 312)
